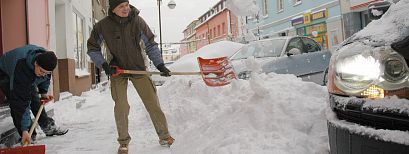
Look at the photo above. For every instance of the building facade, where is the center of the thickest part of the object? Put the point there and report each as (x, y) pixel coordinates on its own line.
(170, 53)
(72, 23)
(215, 25)
(317, 19)
(188, 44)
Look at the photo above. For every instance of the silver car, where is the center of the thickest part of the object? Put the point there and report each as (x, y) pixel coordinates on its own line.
(297, 55)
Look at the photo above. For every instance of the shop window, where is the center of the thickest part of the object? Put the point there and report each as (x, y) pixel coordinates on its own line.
(301, 31)
(79, 42)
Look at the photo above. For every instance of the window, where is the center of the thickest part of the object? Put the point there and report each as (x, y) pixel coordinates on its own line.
(295, 43)
(296, 2)
(79, 42)
(280, 5)
(214, 32)
(311, 45)
(224, 28)
(210, 36)
(218, 30)
(265, 8)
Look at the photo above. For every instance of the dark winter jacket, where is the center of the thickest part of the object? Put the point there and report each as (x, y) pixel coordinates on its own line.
(122, 37)
(17, 74)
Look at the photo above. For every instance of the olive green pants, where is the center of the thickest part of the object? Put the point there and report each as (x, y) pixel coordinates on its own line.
(147, 92)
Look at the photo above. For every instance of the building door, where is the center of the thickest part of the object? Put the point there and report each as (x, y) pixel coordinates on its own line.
(12, 27)
(37, 22)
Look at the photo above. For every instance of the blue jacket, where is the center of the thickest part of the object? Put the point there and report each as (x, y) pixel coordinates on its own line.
(17, 68)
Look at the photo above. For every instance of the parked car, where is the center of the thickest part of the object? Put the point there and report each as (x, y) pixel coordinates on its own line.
(368, 88)
(301, 56)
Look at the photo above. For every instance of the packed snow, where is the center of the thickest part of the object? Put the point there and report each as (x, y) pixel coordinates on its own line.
(268, 114)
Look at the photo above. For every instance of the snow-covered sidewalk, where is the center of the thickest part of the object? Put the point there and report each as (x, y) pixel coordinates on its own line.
(268, 114)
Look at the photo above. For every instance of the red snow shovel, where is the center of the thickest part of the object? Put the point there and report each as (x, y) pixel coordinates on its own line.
(29, 149)
(214, 71)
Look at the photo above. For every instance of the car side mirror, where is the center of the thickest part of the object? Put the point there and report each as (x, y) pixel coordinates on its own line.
(294, 51)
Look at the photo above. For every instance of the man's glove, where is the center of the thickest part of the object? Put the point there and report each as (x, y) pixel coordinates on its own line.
(162, 68)
(108, 69)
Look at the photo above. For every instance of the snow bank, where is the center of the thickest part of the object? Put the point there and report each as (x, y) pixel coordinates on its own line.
(269, 114)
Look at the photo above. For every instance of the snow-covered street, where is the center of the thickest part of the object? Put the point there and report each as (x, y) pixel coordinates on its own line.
(268, 114)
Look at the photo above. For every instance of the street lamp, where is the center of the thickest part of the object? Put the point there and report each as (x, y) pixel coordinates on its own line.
(171, 5)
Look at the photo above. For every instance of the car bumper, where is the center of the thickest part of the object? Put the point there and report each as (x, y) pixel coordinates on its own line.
(344, 140)
(353, 110)
(380, 135)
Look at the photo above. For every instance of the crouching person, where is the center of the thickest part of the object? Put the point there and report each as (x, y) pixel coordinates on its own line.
(25, 75)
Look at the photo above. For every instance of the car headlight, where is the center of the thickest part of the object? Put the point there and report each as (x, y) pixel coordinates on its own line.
(371, 73)
(356, 73)
(395, 68)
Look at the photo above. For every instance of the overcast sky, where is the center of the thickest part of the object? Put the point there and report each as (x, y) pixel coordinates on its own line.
(173, 21)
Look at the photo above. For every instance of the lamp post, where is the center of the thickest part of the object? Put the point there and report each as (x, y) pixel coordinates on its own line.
(171, 5)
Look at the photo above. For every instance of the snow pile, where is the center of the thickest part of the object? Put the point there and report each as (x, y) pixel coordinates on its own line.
(269, 114)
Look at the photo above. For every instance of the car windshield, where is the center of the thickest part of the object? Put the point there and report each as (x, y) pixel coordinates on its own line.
(259, 49)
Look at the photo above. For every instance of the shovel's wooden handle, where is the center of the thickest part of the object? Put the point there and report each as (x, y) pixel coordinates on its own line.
(36, 120)
(35, 123)
(158, 73)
